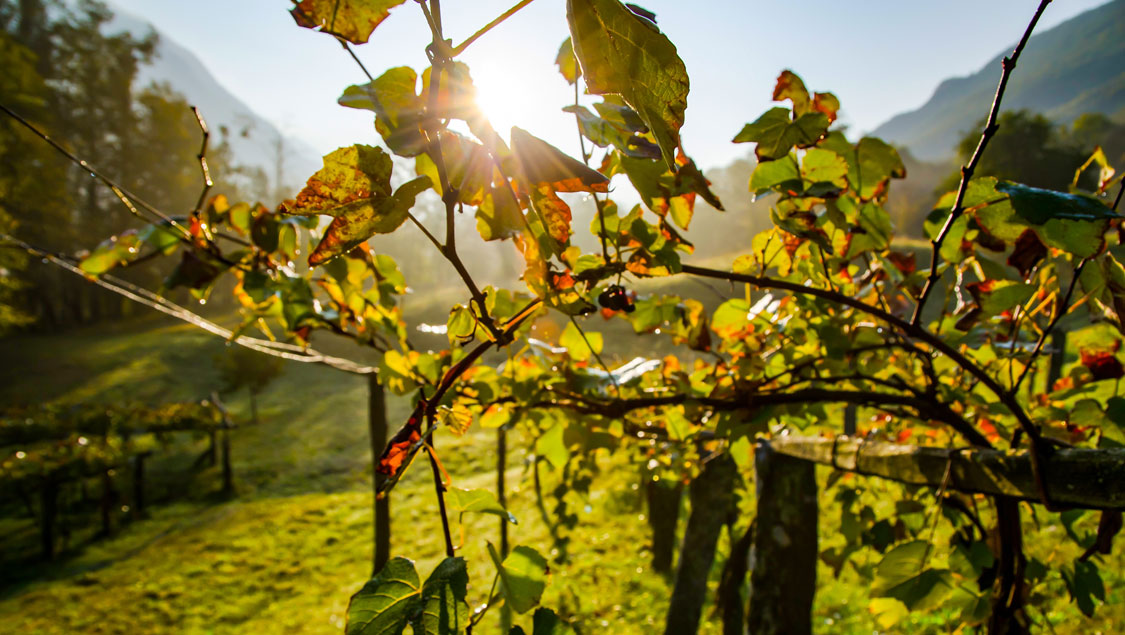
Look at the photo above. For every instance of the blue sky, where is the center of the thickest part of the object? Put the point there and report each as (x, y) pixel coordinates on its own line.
(879, 57)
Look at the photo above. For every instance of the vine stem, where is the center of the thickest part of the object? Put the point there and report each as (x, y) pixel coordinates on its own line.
(439, 489)
(990, 128)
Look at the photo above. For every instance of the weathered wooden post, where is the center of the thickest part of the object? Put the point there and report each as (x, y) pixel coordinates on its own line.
(712, 497)
(139, 484)
(663, 498)
(109, 501)
(501, 467)
(377, 433)
(784, 552)
(228, 474)
(48, 513)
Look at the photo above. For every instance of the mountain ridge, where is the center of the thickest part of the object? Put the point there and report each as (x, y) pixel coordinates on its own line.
(254, 140)
(1077, 66)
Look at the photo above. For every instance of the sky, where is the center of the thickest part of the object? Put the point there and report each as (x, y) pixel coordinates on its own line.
(880, 58)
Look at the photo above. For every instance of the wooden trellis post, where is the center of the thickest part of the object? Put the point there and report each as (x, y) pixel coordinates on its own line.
(784, 551)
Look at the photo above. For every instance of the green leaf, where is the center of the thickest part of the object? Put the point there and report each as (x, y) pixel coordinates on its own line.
(112, 252)
(823, 167)
(551, 446)
(354, 187)
(353, 20)
(576, 346)
(567, 63)
(164, 240)
(776, 134)
(444, 609)
(782, 175)
(480, 501)
(996, 296)
(545, 622)
(387, 602)
(871, 165)
(1037, 206)
(523, 577)
(901, 575)
(398, 109)
(622, 53)
(460, 324)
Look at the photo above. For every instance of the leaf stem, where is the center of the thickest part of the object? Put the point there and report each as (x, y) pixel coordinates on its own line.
(460, 48)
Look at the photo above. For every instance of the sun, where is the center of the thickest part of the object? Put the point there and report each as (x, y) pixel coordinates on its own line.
(504, 103)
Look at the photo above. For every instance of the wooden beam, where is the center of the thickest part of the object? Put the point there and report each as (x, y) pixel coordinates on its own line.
(1075, 477)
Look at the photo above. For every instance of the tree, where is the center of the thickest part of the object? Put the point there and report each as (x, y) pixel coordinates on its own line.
(239, 367)
(826, 312)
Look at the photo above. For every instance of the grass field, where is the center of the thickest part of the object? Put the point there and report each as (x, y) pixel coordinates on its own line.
(285, 554)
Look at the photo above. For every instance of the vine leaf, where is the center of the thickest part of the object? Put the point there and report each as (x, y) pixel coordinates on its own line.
(354, 187)
(387, 601)
(352, 20)
(394, 598)
(545, 622)
(567, 63)
(776, 134)
(623, 53)
(576, 345)
(902, 575)
(444, 610)
(541, 163)
(480, 501)
(398, 108)
(1037, 206)
(523, 577)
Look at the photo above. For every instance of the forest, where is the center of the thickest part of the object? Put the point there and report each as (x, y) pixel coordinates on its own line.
(461, 379)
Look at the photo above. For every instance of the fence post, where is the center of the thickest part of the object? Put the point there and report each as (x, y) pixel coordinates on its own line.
(663, 498)
(501, 467)
(228, 474)
(712, 497)
(48, 513)
(784, 552)
(139, 485)
(377, 432)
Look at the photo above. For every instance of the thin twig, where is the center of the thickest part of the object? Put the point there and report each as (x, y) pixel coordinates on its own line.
(153, 301)
(990, 128)
(125, 195)
(202, 156)
(460, 48)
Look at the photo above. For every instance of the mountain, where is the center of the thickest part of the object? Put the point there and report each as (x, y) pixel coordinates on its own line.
(254, 140)
(1071, 69)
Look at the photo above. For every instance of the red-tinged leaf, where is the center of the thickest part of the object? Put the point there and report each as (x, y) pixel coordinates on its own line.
(1027, 252)
(354, 187)
(790, 86)
(904, 435)
(827, 104)
(541, 163)
(988, 430)
(352, 20)
(904, 262)
(554, 211)
(400, 448)
(535, 267)
(1103, 364)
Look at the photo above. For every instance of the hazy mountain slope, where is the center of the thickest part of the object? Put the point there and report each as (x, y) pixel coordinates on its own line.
(1074, 68)
(253, 138)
